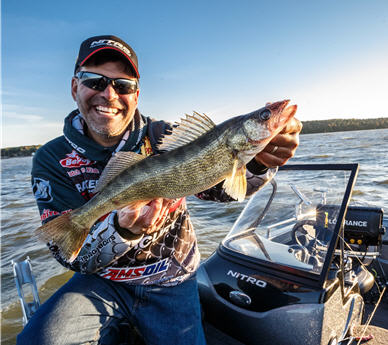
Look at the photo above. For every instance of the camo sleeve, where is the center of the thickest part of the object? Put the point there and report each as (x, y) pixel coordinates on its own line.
(254, 183)
(104, 245)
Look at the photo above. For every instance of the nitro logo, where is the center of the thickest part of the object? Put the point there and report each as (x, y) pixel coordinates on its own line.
(112, 44)
(126, 274)
(42, 190)
(248, 279)
(74, 160)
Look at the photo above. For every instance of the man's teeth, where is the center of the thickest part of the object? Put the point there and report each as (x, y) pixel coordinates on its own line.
(107, 110)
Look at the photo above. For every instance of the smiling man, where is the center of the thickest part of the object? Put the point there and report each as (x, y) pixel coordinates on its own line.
(138, 263)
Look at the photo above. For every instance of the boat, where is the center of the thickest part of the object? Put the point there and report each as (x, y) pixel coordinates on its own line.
(295, 268)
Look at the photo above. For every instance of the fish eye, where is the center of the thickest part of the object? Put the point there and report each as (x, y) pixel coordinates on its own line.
(265, 114)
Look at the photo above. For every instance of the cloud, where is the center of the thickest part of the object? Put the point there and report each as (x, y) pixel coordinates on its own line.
(356, 91)
(35, 133)
(25, 117)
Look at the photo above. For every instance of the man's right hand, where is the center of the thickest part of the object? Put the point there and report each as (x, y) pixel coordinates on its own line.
(144, 216)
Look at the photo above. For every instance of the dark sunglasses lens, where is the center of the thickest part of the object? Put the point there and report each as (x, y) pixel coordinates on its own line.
(125, 86)
(99, 83)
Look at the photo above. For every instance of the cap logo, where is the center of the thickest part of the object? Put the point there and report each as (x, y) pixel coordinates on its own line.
(112, 44)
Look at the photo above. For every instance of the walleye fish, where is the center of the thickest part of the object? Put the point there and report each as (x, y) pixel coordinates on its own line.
(199, 155)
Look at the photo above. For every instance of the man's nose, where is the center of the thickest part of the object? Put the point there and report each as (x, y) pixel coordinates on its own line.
(110, 93)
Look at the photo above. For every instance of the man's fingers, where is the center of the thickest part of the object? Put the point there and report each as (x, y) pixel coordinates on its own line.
(292, 126)
(155, 207)
(144, 216)
(289, 141)
(270, 160)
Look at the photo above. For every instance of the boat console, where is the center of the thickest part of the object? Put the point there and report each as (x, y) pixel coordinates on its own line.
(292, 268)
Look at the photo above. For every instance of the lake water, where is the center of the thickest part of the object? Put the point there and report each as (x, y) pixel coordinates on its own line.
(19, 214)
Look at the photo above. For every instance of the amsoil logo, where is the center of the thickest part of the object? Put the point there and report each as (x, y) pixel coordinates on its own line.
(74, 160)
(125, 274)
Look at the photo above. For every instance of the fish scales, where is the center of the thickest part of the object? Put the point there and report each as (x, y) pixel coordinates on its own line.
(185, 171)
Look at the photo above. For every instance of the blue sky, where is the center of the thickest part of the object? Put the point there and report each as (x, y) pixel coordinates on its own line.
(223, 58)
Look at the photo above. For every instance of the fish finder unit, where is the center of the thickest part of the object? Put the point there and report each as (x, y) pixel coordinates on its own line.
(363, 226)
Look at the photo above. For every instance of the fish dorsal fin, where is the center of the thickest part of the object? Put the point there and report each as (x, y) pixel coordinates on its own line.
(186, 131)
(117, 164)
(235, 185)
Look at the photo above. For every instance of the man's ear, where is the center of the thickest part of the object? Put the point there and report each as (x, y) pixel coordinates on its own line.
(74, 88)
(137, 95)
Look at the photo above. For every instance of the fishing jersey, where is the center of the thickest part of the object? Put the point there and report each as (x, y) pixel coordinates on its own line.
(65, 172)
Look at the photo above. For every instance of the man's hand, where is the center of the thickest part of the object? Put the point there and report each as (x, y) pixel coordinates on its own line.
(144, 217)
(282, 147)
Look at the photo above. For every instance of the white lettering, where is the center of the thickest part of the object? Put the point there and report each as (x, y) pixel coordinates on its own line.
(86, 185)
(111, 43)
(249, 279)
(79, 149)
(360, 223)
(233, 274)
(261, 283)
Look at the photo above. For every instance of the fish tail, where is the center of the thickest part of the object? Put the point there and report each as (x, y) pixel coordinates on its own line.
(65, 233)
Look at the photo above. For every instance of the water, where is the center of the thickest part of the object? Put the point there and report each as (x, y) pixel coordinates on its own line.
(19, 214)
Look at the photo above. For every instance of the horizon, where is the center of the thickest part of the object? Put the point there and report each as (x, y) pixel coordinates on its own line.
(332, 131)
(221, 58)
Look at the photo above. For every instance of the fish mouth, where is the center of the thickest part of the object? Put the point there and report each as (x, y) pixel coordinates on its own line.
(282, 109)
(278, 106)
(282, 113)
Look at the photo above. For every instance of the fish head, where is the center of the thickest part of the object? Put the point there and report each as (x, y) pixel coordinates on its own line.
(256, 129)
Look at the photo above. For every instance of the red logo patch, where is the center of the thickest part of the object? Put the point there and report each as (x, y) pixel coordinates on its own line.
(74, 160)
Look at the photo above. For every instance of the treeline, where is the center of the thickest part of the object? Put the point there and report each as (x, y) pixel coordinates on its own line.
(20, 151)
(340, 125)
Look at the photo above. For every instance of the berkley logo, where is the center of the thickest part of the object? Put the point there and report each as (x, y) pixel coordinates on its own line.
(74, 160)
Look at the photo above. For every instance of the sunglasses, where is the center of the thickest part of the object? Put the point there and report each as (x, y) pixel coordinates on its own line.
(99, 82)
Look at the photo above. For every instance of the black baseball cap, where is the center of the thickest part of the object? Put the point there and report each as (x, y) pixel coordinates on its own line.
(92, 45)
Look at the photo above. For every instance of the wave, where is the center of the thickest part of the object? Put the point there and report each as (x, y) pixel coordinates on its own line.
(357, 192)
(321, 156)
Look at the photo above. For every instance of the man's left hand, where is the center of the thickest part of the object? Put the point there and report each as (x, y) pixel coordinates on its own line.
(282, 147)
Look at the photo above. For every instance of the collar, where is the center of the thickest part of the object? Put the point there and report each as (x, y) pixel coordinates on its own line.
(74, 134)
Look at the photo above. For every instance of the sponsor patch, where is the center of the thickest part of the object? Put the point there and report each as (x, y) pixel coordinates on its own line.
(97, 250)
(50, 213)
(126, 274)
(74, 160)
(42, 190)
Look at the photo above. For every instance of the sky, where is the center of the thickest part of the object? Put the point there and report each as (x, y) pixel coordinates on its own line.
(219, 57)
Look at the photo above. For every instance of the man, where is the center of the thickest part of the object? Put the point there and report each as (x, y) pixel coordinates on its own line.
(139, 261)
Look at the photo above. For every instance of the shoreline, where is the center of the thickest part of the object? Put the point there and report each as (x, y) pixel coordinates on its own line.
(309, 127)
